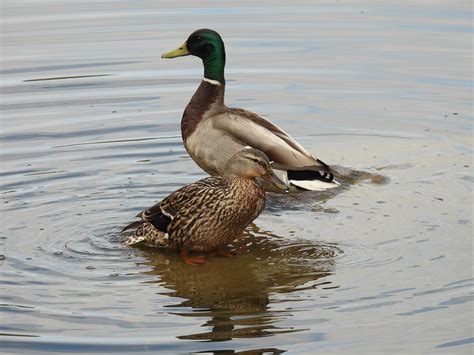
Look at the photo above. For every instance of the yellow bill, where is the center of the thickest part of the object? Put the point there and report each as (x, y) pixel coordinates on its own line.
(178, 52)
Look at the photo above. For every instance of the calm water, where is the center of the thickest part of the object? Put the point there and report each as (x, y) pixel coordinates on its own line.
(90, 136)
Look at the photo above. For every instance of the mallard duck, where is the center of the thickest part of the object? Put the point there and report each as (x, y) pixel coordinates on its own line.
(209, 213)
(213, 132)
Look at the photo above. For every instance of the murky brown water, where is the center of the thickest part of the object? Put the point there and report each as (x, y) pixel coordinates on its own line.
(90, 136)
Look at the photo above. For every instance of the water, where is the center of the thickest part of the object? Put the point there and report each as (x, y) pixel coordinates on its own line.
(90, 136)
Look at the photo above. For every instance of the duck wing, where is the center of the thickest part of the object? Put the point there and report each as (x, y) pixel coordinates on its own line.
(161, 214)
(257, 132)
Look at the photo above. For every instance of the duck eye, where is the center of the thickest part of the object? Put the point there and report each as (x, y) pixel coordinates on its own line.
(255, 160)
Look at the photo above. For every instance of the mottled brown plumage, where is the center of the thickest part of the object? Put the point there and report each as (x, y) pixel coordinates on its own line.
(211, 212)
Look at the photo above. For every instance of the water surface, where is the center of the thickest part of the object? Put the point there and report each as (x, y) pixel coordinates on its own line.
(90, 136)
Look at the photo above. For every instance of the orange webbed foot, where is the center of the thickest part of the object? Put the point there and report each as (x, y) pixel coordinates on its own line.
(193, 261)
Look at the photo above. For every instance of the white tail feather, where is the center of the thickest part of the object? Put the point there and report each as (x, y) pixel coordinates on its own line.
(312, 185)
(315, 185)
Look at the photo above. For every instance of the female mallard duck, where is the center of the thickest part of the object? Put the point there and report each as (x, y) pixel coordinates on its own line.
(213, 132)
(209, 213)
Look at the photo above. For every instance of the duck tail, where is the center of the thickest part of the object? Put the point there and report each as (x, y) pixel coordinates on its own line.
(134, 239)
(314, 185)
(147, 233)
(312, 180)
(137, 236)
(135, 224)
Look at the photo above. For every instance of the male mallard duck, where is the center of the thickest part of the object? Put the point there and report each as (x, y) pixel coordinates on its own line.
(213, 132)
(209, 213)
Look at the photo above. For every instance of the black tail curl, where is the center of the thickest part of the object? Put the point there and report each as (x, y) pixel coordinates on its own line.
(310, 175)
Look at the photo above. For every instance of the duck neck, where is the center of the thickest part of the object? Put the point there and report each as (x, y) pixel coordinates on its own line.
(239, 181)
(214, 65)
(246, 188)
(208, 98)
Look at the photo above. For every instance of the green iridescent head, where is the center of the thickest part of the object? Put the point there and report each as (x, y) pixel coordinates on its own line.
(207, 45)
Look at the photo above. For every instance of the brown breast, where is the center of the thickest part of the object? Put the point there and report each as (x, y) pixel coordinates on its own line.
(208, 97)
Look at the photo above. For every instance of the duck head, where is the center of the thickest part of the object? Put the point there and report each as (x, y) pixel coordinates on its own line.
(207, 45)
(252, 163)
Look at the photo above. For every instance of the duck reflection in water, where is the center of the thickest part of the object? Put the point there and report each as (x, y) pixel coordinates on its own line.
(235, 293)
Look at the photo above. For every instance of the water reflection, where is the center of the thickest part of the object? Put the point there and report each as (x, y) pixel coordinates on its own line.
(235, 295)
